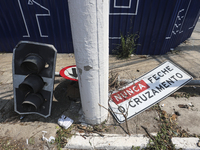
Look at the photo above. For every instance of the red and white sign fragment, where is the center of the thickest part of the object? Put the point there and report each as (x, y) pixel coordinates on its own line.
(69, 73)
(147, 90)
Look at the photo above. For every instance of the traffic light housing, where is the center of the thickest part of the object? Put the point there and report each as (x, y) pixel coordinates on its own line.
(33, 77)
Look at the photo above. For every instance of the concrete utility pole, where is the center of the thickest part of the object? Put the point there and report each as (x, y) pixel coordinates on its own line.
(89, 24)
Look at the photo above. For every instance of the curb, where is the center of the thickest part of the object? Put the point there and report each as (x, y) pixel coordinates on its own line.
(109, 141)
(118, 142)
(186, 143)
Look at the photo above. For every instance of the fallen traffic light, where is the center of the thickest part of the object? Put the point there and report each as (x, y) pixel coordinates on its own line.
(33, 77)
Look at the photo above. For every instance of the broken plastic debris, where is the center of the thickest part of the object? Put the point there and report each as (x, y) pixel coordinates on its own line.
(21, 117)
(27, 141)
(65, 122)
(162, 105)
(190, 104)
(51, 139)
(44, 132)
(44, 138)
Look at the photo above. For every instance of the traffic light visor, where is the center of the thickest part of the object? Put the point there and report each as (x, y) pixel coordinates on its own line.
(33, 63)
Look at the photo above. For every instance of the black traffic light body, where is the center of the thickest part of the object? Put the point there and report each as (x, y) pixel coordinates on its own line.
(33, 77)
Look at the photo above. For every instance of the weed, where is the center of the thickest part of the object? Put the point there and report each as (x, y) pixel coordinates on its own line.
(155, 107)
(135, 148)
(127, 46)
(62, 136)
(90, 143)
(174, 52)
(31, 141)
(168, 129)
(104, 122)
(162, 140)
(101, 128)
(113, 80)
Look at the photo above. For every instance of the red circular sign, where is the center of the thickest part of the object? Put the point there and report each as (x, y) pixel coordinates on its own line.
(69, 73)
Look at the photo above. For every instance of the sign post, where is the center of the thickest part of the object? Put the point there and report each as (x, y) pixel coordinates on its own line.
(89, 23)
(148, 90)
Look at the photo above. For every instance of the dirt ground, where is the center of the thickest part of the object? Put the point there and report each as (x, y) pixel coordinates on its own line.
(16, 129)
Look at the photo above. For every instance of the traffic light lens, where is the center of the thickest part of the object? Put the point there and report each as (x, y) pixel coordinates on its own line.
(29, 66)
(32, 101)
(32, 83)
(33, 63)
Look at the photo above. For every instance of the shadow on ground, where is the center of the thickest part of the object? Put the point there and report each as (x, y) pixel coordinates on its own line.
(66, 97)
(66, 102)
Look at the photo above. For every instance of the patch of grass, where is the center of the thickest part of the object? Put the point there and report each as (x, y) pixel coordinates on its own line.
(62, 136)
(101, 127)
(127, 46)
(135, 148)
(6, 144)
(31, 140)
(57, 127)
(168, 129)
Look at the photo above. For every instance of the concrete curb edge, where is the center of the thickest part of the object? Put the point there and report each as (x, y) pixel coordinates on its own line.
(116, 141)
